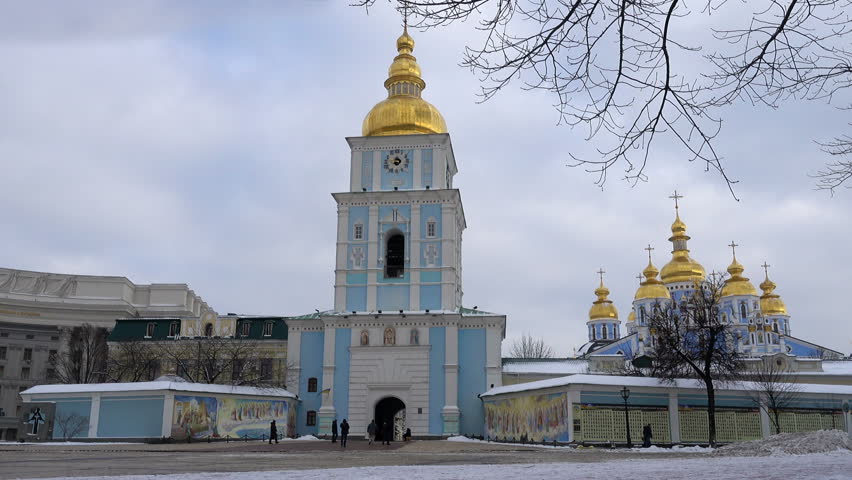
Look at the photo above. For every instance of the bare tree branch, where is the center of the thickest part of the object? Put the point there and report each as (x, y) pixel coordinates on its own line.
(529, 347)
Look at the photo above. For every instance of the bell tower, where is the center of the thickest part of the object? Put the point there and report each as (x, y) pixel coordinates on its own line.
(399, 227)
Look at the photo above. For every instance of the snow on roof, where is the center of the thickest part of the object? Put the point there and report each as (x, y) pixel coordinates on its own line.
(157, 385)
(621, 381)
(836, 367)
(547, 367)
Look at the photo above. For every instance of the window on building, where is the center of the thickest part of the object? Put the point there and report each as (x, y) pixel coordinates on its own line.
(30, 337)
(4, 334)
(415, 337)
(431, 229)
(266, 369)
(395, 256)
(312, 418)
(642, 315)
(149, 331)
(743, 311)
(358, 232)
(245, 328)
(267, 329)
(2, 412)
(174, 329)
(28, 354)
(3, 353)
(208, 330)
(603, 332)
(54, 339)
(2, 371)
(775, 326)
(25, 373)
(312, 384)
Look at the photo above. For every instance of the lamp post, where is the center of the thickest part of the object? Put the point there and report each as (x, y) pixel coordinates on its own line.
(625, 394)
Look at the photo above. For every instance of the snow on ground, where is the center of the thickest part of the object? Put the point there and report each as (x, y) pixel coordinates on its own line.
(38, 444)
(303, 437)
(534, 445)
(822, 441)
(834, 466)
(652, 449)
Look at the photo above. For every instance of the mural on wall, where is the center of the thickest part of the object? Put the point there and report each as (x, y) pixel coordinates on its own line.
(194, 416)
(536, 418)
(217, 417)
(250, 417)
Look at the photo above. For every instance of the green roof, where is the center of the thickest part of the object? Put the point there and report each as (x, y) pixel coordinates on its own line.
(129, 329)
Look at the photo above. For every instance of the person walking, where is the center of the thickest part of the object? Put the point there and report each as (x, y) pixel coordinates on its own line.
(344, 432)
(387, 432)
(371, 431)
(334, 431)
(647, 435)
(407, 435)
(273, 432)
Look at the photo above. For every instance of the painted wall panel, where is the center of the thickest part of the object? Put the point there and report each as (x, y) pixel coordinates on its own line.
(342, 341)
(131, 417)
(430, 277)
(437, 382)
(310, 361)
(220, 416)
(426, 168)
(356, 299)
(471, 380)
(430, 297)
(367, 170)
(393, 297)
(70, 406)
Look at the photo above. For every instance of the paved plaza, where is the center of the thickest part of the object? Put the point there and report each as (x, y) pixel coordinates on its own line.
(47, 461)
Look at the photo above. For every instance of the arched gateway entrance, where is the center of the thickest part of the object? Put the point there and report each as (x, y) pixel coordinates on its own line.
(390, 409)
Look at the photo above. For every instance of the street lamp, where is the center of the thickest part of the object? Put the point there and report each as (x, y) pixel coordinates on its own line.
(625, 394)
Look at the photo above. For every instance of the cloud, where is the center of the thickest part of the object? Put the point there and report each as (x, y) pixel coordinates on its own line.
(200, 142)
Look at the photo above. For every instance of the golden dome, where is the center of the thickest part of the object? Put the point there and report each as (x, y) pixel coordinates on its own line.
(404, 112)
(770, 302)
(737, 284)
(632, 316)
(681, 268)
(602, 308)
(651, 287)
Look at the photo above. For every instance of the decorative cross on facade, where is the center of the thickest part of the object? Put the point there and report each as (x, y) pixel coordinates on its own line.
(676, 197)
(766, 268)
(733, 246)
(431, 254)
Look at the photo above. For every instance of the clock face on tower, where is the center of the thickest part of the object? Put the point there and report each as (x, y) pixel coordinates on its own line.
(396, 161)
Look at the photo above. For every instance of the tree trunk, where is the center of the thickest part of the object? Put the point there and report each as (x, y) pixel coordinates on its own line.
(777, 415)
(711, 412)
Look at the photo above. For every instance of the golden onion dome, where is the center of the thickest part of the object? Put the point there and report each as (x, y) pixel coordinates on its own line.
(651, 287)
(631, 317)
(737, 284)
(404, 112)
(681, 268)
(602, 308)
(770, 302)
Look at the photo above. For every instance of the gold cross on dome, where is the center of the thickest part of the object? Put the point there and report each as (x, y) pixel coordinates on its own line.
(649, 249)
(733, 246)
(766, 268)
(641, 278)
(713, 275)
(676, 197)
(601, 273)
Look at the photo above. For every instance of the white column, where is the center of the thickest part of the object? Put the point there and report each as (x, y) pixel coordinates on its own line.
(414, 259)
(326, 412)
(372, 256)
(377, 170)
(168, 414)
(94, 415)
(341, 260)
(765, 423)
(571, 398)
(493, 358)
(450, 412)
(355, 172)
(417, 169)
(674, 417)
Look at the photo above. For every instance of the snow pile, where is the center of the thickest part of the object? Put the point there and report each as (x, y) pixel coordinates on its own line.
(674, 449)
(821, 441)
(461, 438)
(303, 437)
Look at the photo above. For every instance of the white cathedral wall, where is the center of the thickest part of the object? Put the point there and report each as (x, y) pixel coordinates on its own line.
(380, 371)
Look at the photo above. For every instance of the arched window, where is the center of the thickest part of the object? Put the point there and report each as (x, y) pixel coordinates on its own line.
(149, 330)
(395, 256)
(414, 337)
(641, 315)
(174, 329)
(208, 330)
(365, 338)
(245, 328)
(603, 332)
(390, 336)
(775, 326)
(743, 312)
(312, 384)
(312, 418)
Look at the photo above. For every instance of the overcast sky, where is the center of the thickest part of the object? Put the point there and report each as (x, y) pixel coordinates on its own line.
(199, 143)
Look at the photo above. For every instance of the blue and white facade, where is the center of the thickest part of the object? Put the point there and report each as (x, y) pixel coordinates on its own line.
(398, 332)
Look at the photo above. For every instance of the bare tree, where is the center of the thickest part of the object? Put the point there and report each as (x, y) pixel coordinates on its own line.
(233, 361)
(71, 424)
(84, 356)
(529, 347)
(634, 71)
(774, 388)
(133, 361)
(691, 340)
